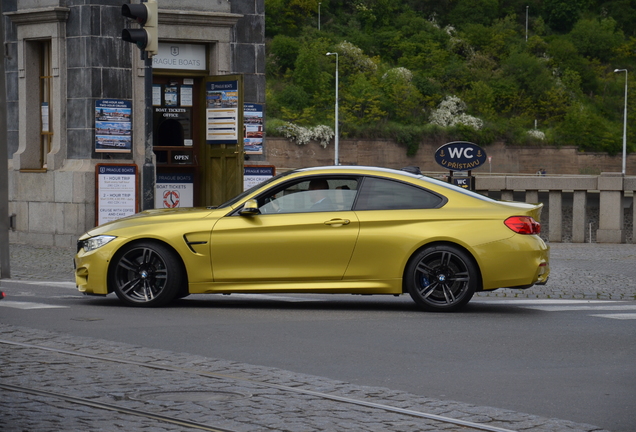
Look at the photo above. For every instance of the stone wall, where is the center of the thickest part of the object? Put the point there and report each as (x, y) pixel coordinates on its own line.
(284, 154)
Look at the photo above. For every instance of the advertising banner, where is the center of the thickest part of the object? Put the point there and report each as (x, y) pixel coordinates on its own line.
(254, 128)
(222, 112)
(256, 174)
(116, 192)
(174, 190)
(113, 126)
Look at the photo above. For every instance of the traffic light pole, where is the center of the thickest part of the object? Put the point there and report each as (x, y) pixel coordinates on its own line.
(148, 171)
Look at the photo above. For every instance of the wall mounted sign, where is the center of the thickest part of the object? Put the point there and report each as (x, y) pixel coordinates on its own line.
(180, 56)
(222, 113)
(174, 190)
(253, 128)
(257, 174)
(113, 126)
(460, 156)
(116, 192)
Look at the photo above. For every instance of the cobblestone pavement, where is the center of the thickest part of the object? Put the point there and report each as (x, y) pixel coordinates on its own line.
(223, 395)
(142, 389)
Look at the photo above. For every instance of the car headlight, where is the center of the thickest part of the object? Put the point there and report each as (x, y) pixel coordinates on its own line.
(96, 242)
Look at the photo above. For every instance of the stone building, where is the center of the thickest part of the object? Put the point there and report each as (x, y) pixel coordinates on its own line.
(80, 151)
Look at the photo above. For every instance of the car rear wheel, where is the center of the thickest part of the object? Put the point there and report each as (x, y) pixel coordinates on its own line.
(441, 278)
(146, 274)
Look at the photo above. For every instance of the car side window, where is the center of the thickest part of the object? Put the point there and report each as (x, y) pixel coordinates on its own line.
(318, 194)
(384, 194)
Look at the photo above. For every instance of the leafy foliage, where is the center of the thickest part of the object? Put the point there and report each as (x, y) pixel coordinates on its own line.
(466, 69)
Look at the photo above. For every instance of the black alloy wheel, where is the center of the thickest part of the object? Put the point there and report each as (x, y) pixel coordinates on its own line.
(146, 274)
(441, 278)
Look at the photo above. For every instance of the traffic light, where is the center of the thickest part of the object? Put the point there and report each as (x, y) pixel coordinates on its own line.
(146, 16)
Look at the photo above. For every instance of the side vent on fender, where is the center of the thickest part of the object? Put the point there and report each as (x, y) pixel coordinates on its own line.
(192, 243)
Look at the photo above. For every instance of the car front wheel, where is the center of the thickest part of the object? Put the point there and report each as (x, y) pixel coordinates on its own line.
(441, 278)
(146, 274)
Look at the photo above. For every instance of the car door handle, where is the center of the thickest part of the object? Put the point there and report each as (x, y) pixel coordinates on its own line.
(338, 222)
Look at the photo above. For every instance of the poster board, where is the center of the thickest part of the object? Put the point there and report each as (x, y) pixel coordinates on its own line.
(253, 128)
(256, 174)
(116, 192)
(113, 126)
(174, 190)
(222, 112)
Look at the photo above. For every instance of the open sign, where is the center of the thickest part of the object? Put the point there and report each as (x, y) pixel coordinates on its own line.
(460, 156)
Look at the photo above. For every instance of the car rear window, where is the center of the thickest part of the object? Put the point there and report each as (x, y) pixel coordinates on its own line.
(384, 194)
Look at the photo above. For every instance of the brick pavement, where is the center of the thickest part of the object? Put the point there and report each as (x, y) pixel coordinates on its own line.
(215, 397)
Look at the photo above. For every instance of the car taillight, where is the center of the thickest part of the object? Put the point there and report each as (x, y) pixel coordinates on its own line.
(523, 225)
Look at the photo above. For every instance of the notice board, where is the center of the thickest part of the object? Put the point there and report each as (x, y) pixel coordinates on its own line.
(116, 194)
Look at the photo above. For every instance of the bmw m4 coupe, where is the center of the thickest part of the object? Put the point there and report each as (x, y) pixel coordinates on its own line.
(356, 230)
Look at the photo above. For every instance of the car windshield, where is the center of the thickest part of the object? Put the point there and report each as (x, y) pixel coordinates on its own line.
(240, 196)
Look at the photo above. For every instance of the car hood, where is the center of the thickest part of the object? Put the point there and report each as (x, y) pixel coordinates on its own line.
(178, 215)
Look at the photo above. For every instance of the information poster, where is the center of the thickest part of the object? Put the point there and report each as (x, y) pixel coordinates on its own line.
(256, 174)
(116, 192)
(222, 114)
(253, 126)
(174, 190)
(113, 126)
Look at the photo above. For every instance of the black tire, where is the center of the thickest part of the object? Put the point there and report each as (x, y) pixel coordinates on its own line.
(146, 274)
(441, 278)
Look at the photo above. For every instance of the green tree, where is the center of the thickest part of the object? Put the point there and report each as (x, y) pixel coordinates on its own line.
(561, 15)
(283, 52)
(361, 102)
(597, 39)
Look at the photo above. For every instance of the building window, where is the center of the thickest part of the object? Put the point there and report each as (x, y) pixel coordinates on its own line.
(46, 131)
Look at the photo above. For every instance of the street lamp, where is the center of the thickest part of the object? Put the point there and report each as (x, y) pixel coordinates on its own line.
(527, 23)
(319, 16)
(336, 162)
(624, 120)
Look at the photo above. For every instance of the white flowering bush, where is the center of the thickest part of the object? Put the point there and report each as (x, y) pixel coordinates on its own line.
(302, 135)
(356, 57)
(398, 74)
(450, 112)
(537, 134)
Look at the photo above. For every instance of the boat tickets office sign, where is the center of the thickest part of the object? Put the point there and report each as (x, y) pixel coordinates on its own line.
(113, 126)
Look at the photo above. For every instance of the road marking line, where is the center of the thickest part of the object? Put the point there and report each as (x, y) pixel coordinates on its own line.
(624, 316)
(540, 301)
(582, 308)
(28, 305)
(61, 284)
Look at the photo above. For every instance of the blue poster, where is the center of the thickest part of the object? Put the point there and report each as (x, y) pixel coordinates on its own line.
(113, 126)
(222, 114)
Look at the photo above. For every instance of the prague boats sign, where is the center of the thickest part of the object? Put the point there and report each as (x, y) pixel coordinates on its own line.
(460, 156)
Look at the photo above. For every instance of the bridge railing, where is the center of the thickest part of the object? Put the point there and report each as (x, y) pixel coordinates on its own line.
(615, 195)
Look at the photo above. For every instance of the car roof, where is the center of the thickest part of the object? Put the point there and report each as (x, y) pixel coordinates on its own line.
(370, 170)
(359, 170)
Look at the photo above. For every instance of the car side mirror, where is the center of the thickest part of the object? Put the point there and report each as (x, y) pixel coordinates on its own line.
(250, 208)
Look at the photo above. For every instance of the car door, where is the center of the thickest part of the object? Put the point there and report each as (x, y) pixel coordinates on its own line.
(394, 216)
(295, 238)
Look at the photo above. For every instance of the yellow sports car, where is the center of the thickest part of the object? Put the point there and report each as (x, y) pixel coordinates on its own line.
(356, 230)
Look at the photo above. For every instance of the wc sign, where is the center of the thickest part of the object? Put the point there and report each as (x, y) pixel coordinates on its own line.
(460, 156)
